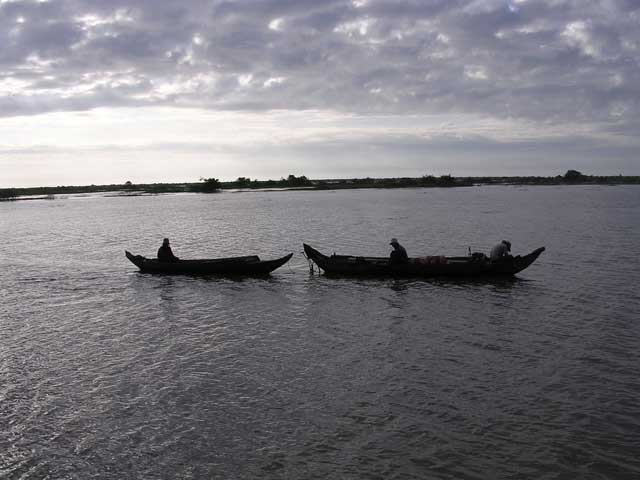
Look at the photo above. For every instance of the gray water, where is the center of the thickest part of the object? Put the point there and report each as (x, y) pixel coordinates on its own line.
(109, 373)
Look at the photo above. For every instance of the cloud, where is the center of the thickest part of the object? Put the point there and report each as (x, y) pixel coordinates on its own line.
(494, 57)
(179, 144)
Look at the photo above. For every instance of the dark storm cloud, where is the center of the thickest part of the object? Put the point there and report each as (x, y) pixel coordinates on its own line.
(555, 61)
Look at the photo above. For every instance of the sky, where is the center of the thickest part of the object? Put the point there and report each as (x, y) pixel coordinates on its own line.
(109, 91)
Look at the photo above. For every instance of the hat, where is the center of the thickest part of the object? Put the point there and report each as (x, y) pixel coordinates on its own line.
(508, 244)
(393, 240)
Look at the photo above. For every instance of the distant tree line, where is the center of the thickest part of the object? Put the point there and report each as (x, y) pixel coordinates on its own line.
(213, 185)
(290, 182)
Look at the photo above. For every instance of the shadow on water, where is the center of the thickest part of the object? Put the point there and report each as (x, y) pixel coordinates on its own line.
(185, 289)
(209, 278)
(400, 284)
(497, 283)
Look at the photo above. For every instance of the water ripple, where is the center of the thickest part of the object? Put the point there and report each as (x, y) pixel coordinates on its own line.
(109, 373)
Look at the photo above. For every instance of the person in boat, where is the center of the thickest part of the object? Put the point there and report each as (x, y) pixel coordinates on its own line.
(165, 254)
(398, 254)
(501, 251)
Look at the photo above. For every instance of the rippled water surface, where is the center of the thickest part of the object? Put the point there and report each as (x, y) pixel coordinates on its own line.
(109, 373)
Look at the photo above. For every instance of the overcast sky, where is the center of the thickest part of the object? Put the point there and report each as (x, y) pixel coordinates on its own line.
(104, 91)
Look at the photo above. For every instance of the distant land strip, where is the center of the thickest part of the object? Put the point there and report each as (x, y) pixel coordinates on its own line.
(212, 185)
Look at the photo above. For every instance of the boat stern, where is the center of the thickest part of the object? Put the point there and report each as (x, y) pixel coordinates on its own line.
(312, 253)
(521, 263)
(137, 260)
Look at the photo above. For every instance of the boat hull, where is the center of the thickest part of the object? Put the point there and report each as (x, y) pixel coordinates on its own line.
(346, 265)
(247, 266)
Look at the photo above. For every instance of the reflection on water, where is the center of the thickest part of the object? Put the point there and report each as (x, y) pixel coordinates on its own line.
(111, 373)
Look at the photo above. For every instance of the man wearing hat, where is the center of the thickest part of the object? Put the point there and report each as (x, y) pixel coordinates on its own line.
(398, 254)
(165, 254)
(500, 251)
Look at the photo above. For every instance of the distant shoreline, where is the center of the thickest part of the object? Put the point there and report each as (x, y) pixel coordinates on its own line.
(302, 183)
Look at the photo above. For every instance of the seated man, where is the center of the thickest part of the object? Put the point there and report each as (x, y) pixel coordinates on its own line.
(500, 251)
(165, 254)
(398, 254)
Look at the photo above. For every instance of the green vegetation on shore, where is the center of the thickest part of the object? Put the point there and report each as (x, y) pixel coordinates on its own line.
(212, 185)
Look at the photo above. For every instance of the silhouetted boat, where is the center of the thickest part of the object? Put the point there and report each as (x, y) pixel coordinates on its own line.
(248, 265)
(472, 266)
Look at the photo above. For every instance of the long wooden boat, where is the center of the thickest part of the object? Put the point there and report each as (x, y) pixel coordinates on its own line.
(471, 266)
(248, 265)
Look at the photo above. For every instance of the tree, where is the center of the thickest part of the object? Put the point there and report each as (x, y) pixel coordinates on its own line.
(210, 185)
(428, 180)
(293, 181)
(446, 180)
(573, 175)
(7, 193)
(243, 182)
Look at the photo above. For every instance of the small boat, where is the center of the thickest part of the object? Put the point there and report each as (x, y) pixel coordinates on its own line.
(477, 265)
(248, 265)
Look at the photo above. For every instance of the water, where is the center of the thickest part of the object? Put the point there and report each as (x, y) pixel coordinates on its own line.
(109, 373)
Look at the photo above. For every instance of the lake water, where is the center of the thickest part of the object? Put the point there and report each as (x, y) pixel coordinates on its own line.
(109, 373)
